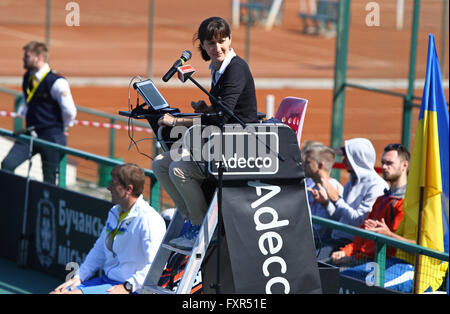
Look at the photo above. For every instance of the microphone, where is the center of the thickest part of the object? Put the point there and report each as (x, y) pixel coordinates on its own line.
(24, 131)
(184, 72)
(185, 56)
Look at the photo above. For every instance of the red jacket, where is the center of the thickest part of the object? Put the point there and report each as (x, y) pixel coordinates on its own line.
(389, 207)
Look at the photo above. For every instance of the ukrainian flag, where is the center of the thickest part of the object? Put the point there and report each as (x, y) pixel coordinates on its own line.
(429, 177)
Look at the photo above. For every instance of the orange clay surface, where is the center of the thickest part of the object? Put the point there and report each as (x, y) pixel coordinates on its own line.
(112, 41)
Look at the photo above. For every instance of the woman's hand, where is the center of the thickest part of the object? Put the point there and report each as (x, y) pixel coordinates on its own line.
(167, 120)
(200, 106)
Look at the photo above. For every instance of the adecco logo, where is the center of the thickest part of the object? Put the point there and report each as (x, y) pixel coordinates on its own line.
(244, 153)
(236, 162)
(270, 242)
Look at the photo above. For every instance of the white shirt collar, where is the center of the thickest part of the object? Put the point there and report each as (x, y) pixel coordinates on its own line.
(42, 71)
(132, 211)
(215, 75)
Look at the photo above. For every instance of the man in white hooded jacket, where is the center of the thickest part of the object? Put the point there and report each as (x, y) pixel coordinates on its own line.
(360, 193)
(128, 243)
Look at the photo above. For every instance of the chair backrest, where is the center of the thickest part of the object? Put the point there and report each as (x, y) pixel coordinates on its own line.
(292, 112)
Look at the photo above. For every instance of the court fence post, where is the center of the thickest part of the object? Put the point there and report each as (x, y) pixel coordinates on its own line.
(408, 100)
(340, 73)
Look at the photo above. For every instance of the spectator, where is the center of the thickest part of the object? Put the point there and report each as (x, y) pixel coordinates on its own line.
(128, 243)
(318, 162)
(385, 219)
(48, 107)
(388, 208)
(309, 182)
(307, 144)
(359, 195)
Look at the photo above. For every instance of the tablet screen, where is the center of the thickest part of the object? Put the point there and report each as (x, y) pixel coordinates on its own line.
(151, 94)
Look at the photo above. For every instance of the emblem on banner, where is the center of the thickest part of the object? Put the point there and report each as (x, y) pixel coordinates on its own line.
(46, 231)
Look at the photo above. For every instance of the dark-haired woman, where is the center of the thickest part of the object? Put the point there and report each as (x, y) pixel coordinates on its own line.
(233, 82)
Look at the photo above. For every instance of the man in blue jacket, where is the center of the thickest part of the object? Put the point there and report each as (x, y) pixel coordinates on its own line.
(48, 107)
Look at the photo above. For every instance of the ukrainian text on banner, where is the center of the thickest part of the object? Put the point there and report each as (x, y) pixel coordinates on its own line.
(64, 226)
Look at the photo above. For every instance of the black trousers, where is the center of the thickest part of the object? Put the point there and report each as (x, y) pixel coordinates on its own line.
(50, 157)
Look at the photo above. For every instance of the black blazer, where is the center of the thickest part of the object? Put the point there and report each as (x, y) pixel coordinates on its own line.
(236, 89)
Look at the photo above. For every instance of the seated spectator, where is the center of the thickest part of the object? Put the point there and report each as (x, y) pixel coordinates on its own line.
(388, 208)
(399, 270)
(318, 162)
(309, 182)
(128, 243)
(385, 219)
(359, 195)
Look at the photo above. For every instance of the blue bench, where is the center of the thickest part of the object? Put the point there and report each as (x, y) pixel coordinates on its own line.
(324, 20)
(259, 11)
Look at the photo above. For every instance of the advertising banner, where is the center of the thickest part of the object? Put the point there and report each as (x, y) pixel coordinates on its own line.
(62, 225)
(12, 190)
(270, 240)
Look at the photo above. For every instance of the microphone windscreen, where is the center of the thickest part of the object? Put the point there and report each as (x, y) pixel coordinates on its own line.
(186, 55)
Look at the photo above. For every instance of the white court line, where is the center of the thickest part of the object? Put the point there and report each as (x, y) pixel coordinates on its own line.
(260, 83)
(7, 31)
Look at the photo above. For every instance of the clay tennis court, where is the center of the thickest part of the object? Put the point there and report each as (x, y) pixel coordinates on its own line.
(110, 46)
(112, 42)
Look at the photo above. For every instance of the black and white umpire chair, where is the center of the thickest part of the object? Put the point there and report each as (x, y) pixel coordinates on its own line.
(259, 205)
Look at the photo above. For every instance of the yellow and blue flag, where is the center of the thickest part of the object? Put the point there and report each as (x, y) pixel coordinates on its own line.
(429, 173)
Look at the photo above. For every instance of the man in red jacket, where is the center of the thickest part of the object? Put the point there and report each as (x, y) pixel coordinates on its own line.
(387, 209)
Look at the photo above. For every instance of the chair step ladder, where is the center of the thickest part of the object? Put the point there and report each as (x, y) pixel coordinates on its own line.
(196, 255)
